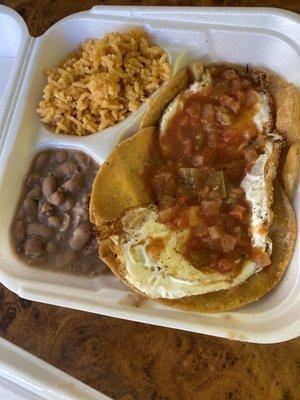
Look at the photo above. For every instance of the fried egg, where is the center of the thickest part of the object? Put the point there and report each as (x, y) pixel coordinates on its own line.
(168, 274)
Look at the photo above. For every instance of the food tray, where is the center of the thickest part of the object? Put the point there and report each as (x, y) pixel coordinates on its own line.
(266, 38)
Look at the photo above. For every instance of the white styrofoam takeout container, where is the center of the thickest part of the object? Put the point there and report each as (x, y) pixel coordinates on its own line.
(26, 377)
(267, 38)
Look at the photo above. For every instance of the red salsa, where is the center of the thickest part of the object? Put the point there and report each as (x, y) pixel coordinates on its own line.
(197, 164)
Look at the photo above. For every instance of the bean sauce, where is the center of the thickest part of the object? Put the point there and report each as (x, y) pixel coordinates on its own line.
(51, 228)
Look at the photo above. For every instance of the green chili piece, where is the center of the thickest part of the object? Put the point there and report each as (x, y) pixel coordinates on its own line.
(190, 175)
(199, 257)
(217, 180)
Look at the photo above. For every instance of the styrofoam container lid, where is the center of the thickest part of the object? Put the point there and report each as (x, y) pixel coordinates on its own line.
(26, 377)
(13, 45)
(266, 38)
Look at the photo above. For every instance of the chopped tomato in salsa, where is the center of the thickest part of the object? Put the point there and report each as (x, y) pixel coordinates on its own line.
(197, 165)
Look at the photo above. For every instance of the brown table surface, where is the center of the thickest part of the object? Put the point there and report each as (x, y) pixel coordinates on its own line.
(133, 361)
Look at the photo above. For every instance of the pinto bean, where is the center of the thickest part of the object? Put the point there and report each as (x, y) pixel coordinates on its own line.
(83, 160)
(80, 214)
(65, 170)
(61, 156)
(41, 160)
(35, 229)
(52, 248)
(66, 220)
(35, 193)
(20, 230)
(75, 183)
(34, 247)
(85, 201)
(30, 207)
(80, 237)
(33, 178)
(56, 198)
(85, 198)
(55, 221)
(21, 213)
(46, 208)
(67, 205)
(49, 185)
(65, 259)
